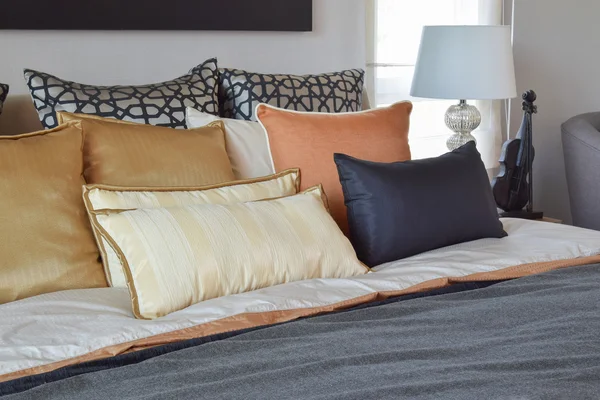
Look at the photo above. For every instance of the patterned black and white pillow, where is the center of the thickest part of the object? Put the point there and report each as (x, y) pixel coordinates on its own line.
(3, 94)
(161, 104)
(241, 91)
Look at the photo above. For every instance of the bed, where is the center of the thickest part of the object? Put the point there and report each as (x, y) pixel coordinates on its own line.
(509, 318)
(457, 304)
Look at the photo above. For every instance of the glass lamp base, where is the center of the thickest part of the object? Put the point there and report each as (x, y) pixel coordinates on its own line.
(462, 119)
(459, 139)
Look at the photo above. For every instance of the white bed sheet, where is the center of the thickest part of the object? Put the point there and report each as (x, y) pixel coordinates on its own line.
(63, 325)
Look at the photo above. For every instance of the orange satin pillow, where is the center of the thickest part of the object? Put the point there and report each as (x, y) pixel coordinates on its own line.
(309, 140)
(46, 241)
(130, 154)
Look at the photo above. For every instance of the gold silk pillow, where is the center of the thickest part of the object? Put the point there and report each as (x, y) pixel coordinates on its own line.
(46, 243)
(131, 154)
(103, 197)
(175, 257)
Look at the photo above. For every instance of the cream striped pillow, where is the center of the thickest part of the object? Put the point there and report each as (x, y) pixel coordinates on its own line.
(103, 197)
(175, 257)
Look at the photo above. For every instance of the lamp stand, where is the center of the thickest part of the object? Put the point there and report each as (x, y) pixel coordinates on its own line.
(462, 119)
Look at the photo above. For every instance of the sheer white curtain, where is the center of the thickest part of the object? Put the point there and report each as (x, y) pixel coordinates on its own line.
(393, 35)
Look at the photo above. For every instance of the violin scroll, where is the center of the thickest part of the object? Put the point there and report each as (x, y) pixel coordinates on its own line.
(528, 98)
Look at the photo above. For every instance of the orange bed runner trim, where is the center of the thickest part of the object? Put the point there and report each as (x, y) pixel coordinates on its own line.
(252, 320)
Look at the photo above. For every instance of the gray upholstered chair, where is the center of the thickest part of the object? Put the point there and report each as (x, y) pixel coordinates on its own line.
(581, 146)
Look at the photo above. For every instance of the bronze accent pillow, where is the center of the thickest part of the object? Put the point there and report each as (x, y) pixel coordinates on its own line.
(308, 141)
(130, 154)
(46, 242)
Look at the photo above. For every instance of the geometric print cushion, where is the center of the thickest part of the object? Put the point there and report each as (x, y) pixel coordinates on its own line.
(3, 94)
(241, 91)
(161, 104)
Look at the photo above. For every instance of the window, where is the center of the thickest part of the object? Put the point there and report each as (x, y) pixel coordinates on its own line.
(393, 36)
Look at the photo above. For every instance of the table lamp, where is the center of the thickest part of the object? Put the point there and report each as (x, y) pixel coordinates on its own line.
(472, 62)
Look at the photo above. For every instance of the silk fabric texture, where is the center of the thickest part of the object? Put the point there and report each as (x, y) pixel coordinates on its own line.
(400, 209)
(245, 141)
(45, 237)
(101, 198)
(130, 154)
(175, 257)
(309, 140)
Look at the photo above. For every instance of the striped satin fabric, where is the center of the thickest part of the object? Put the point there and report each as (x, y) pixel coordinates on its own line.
(175, 257)
(103, 197)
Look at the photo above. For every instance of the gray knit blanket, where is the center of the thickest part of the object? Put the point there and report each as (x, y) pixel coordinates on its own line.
(531, 338)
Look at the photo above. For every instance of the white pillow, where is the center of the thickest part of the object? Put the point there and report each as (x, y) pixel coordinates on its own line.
(246, 143)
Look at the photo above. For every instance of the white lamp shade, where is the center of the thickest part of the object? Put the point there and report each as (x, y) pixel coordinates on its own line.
(465, 62)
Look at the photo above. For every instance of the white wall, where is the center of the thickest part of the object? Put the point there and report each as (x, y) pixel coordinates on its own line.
(336, 42)
(557, 53)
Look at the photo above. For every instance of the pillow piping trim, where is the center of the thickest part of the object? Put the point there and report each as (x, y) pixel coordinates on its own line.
(127, 268)
(96, 227)
(256, 109)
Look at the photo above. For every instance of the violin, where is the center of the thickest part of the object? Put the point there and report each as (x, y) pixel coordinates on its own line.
(512, 187)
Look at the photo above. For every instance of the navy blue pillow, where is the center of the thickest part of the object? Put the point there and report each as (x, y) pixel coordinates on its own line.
(400, 209)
